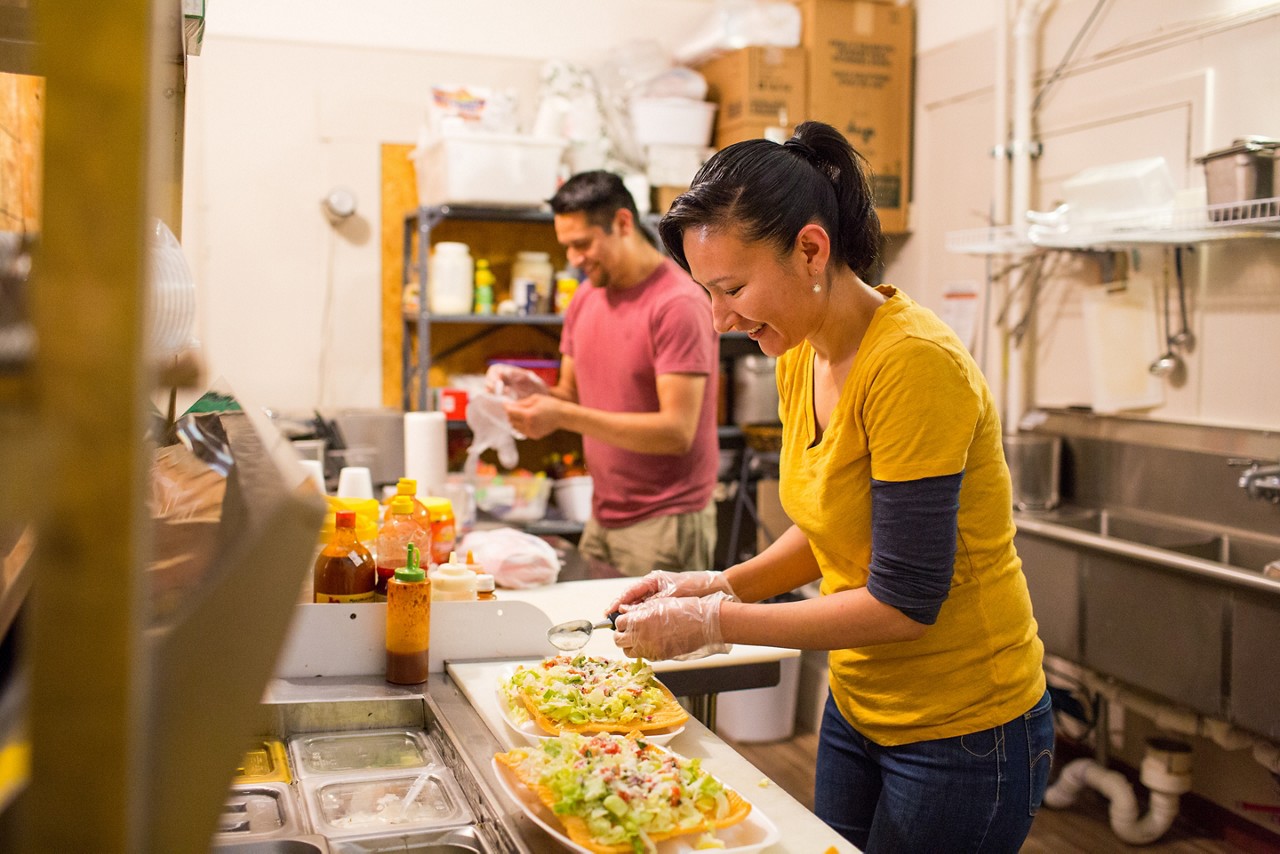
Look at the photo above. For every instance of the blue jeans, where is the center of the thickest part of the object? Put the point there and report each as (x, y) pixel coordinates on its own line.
(976, 792)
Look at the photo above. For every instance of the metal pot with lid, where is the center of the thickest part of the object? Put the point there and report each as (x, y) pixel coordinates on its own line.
(1242, 172)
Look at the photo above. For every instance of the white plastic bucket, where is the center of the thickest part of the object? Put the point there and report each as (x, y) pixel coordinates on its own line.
(672, 121)
(573, 497)
(761, 714)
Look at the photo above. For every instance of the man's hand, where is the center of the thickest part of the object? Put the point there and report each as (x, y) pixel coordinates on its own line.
(514, 382)
(535, 416)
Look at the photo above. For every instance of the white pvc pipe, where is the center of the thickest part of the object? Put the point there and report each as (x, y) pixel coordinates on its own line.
(1017, 393)
(1000, 171)
(1123, 812)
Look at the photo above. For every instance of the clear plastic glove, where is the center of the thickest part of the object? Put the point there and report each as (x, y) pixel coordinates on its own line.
(663, 584)
(513, 382)
(490, 428)
(680, 628)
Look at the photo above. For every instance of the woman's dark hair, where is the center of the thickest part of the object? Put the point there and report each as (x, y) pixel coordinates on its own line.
(598, 194)
(768, 192)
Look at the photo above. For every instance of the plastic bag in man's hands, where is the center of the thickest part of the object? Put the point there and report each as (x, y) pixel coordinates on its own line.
(516, 560)
(490, 428)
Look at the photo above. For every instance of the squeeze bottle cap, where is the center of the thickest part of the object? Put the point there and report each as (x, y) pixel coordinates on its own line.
(401, 504)
(406, 486)
(411, 571)
(345, 519)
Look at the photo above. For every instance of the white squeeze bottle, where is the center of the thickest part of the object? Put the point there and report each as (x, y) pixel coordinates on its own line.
(453, 581)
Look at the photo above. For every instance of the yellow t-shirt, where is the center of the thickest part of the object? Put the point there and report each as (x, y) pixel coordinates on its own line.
(914, 405)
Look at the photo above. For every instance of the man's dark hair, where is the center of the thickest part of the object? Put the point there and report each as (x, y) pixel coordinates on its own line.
(598, 194)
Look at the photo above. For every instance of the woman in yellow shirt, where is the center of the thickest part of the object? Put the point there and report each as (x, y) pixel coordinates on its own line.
(938, 733)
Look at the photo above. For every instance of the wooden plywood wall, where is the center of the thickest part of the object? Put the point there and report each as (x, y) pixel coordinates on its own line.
(21, 143)
(497, 242)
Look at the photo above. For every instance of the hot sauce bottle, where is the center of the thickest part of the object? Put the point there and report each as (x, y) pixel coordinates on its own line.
(344, 569)
(408, 622)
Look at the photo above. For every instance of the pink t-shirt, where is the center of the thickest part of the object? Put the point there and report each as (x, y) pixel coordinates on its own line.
(621, 341)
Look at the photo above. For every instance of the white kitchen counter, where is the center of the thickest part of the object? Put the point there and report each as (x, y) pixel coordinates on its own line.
(801, 831)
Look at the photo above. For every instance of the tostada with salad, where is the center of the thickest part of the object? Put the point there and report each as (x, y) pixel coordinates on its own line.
(586, 694)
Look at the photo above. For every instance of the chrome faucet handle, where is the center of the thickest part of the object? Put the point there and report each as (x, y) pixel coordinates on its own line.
(1242, 462)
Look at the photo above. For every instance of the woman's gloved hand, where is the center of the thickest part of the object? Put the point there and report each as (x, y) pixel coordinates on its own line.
(661, 584)
(681, 628)
(513, 382)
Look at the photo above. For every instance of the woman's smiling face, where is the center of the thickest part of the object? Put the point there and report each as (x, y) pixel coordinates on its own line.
(752, 289)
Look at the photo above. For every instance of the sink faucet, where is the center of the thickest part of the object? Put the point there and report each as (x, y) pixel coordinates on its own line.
(1260, 481)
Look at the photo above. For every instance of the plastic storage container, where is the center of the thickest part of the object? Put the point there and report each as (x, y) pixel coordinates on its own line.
(672, 121)
(360, 752)
(451, 279)
(514, 498)
(363, 807)
(477, 168)
(1119, 191)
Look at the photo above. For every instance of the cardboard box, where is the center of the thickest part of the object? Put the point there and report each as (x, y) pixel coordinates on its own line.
(757, 86)
(860, 81)
(730, 134)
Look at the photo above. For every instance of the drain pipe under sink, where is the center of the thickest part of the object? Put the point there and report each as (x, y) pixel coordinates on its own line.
(1166, 772)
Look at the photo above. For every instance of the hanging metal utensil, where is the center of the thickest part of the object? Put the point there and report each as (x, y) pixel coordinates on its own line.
(1170, 363)
(1184, 339)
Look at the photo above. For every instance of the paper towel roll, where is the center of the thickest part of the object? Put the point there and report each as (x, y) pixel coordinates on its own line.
(426, 450)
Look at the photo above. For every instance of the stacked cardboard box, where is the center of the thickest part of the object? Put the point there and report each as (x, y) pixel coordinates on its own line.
(853, 71)
(757, 88)
(860, 81)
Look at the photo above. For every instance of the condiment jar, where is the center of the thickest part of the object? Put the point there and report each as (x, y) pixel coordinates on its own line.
(534, 267)
(408, 622)
(444, 529)
(453, 581)
(450, 279)
(485, 585)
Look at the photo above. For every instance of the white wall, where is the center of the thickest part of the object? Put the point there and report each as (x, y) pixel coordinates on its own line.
(290, 99)
(1176, 79)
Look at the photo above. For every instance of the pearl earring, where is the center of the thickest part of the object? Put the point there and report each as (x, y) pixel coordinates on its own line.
(817, 288)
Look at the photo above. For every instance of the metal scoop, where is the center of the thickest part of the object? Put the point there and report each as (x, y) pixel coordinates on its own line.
(575, 633)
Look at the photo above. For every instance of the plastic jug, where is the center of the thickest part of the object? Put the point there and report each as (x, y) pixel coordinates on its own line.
(449, 283)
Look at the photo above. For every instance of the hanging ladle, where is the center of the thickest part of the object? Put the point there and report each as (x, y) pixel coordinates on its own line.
(575, 633)
(1183, 338)
(1169, 363)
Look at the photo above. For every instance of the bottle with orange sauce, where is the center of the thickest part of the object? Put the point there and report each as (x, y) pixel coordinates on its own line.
(344, 569)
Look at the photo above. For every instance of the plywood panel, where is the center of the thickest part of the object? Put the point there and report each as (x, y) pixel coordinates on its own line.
(21, 142)
(497, 242)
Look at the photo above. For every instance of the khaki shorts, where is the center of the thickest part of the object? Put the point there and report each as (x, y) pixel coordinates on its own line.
(682, 541)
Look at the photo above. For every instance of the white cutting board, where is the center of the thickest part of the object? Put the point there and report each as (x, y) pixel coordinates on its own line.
(1122, 340)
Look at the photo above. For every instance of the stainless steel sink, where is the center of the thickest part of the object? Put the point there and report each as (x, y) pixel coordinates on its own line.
(1159, 534)
(1249, 553)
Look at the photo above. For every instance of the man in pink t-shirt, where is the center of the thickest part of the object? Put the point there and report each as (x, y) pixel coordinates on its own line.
(638, 380)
